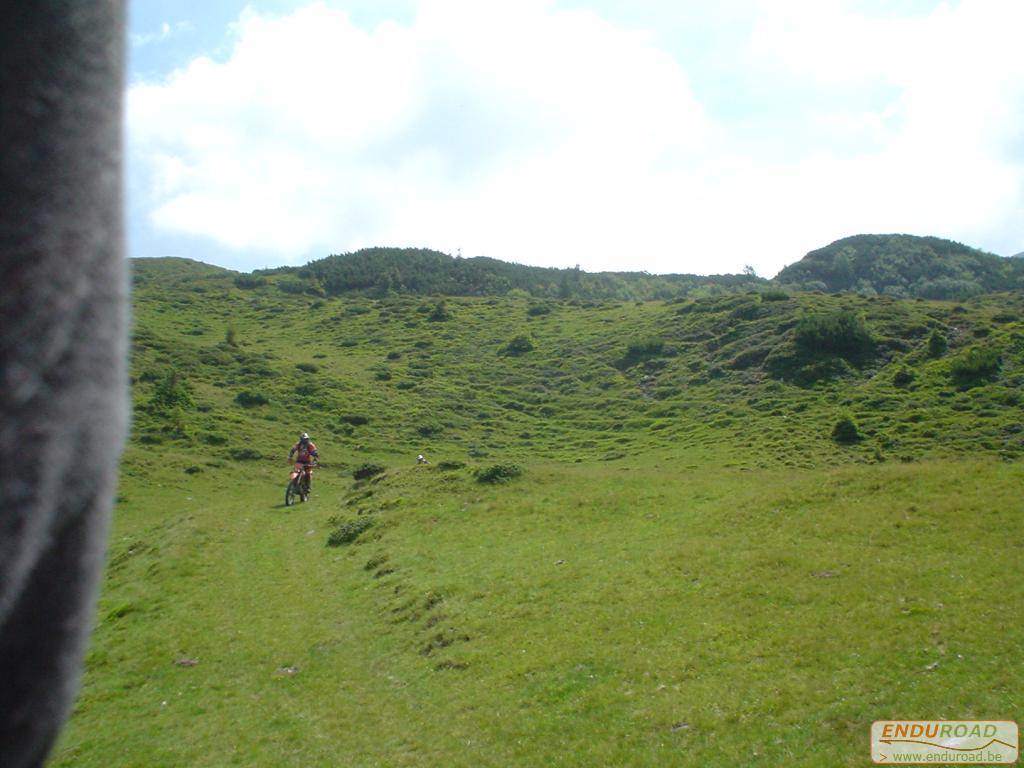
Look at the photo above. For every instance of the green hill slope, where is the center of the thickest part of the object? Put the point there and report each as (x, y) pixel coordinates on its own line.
(905, 266)
(595, 378)
(689, 564)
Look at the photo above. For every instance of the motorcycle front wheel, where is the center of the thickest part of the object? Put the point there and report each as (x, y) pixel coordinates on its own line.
(290, 493)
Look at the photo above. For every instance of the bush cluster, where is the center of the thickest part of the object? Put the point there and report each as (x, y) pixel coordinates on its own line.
(172, 391)
(250, 281)
(840, 332)
(640, 351)
(903, 377)
(248, 399)
(355, 419)
(937, 344)
(499, 473)
(845, 431)
(976, 366)
(519, 345)
(440, 313)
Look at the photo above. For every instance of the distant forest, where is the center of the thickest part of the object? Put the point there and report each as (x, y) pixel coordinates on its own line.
(904, 266)
(380, 272)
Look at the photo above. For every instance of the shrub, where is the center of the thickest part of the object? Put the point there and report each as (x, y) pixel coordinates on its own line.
(355, 419)
(292, 285)
(840, 332)
(538, 309)
(774, 296)
(349, 531)
(519, 345)
(250, 281)
(937, 344)
(366, 471)
(394, 355)
(308, 367)
(172, 391)
(641, 351)
(750, 310)
(248, 399)
(976, 366)
(845, 431)
(451, 466)
(440, 313)
(499, 473)
(904, 377)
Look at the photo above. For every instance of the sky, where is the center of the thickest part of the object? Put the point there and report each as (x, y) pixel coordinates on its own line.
(679, 136)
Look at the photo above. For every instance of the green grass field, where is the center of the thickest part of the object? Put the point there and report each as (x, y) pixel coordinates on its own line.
(690, 570)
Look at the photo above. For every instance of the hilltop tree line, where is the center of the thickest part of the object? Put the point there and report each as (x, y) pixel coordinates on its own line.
(904, 266)
(380, 272)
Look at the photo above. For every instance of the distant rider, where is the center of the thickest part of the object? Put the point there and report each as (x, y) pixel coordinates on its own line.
(305, 454)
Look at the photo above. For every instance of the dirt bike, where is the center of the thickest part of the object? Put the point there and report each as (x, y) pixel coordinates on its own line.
(298, 483)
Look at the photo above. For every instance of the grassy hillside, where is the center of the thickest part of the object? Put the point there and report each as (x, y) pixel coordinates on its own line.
(735, 530)
(395, 377)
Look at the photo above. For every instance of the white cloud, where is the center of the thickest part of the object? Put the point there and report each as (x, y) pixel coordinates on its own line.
(166, 31)
(553, 137)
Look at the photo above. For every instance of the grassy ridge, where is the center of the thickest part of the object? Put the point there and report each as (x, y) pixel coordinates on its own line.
(689, 571)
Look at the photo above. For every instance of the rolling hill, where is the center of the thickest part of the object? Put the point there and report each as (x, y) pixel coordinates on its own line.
(904, 266)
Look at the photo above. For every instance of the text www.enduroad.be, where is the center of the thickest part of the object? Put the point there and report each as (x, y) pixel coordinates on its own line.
(981, 756)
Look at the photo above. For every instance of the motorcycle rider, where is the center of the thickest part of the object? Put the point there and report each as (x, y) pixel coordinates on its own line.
(305, 456)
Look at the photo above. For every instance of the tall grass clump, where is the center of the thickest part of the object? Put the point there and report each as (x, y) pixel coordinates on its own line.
(349, 531)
